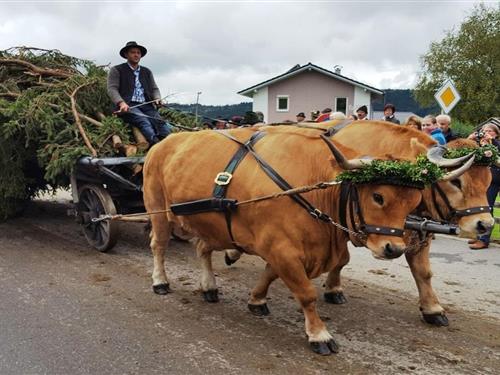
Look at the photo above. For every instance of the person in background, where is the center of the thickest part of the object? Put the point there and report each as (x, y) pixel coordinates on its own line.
(260, 116)
(353, 117)
(362, 113)
(235, 122)
(389, 111)
(429, 125)
(300, 117)
(488, 135)
(251, 118)
(413, 122)
(325, 115)
(221, 123)
(443, 122)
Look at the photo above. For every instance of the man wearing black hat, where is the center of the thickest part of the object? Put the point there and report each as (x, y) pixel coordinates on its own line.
(133, 90)
(300, 117)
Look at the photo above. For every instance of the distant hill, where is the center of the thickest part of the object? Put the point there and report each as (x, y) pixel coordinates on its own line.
(214, 111)
(404, 102)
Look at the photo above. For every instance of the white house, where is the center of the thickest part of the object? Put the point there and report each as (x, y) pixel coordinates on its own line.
(306, 89)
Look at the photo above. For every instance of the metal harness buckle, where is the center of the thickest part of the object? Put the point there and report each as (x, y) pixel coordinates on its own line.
(223, 178)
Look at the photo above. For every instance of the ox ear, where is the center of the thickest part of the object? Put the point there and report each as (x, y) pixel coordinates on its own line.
(417, 147)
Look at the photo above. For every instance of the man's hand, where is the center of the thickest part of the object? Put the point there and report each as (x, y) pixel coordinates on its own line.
(158, 103)
(123, 107)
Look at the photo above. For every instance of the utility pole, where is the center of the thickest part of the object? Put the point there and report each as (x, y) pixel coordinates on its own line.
(196, 108)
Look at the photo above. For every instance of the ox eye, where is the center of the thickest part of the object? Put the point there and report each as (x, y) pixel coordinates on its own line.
(456, 183)
(378, 198)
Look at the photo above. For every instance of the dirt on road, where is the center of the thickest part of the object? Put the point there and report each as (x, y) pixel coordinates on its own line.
(66, 308)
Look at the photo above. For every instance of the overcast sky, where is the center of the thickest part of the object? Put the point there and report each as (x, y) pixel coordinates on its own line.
(222, 47)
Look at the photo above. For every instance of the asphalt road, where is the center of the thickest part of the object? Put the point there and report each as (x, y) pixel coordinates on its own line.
(67, 309)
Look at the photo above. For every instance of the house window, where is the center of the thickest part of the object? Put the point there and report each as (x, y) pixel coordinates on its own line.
(341, 105)
(282, 103)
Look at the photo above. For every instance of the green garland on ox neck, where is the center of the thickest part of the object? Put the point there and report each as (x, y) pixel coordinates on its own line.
(485, 155)
(418, 174)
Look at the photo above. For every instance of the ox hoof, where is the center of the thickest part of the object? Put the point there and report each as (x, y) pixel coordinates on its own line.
(211, 295)
(439, 319)
(228, 260)
(162, 289)
(336, 298)
(324, 348)
(259, 310)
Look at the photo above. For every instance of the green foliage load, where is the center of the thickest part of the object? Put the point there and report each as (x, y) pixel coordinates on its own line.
(39, 142)
(405, 173)
(470, 56)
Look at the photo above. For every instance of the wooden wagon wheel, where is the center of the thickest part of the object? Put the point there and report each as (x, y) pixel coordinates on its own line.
(94, 201)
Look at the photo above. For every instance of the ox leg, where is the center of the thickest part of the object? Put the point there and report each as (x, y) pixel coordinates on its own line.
(334, 292)
(160, 236)
(420, 267)
(257, 303)
(293, 274)
(231, 256)
(207, 281)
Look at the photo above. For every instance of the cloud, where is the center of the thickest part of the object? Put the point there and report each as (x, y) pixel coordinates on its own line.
(221, 48)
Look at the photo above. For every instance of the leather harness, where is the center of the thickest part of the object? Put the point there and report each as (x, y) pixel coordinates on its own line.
(219, 203)
(453, 213)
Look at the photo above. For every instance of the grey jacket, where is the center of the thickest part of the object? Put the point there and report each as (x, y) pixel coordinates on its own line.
(114, 86)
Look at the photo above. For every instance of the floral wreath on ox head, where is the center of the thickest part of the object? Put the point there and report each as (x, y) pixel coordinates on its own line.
(424, 171)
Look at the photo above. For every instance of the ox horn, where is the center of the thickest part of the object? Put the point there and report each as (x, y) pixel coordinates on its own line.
(343, 162)
(458, 172)
(435, 155)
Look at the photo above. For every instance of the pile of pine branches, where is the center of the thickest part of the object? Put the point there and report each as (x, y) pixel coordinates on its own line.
(54, 108)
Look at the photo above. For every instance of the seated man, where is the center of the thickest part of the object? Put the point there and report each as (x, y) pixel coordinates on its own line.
(129, 86)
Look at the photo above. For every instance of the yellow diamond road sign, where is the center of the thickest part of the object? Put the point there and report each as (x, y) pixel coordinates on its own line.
(447, 96)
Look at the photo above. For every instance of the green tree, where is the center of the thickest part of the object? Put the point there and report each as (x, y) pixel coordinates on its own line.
(470, 56)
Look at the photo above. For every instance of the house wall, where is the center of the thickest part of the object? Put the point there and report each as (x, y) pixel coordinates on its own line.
(308, 91)
(260, 102)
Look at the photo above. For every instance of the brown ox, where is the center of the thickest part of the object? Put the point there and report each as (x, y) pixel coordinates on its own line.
(295, 246)
(465, 191)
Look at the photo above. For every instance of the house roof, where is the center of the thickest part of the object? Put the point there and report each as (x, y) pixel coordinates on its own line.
(297, 69)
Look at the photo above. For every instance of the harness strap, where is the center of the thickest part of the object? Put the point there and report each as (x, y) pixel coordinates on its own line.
(284, 185)
(453, 212)
(224, 178)
(334, 129)
(436, 188)
(349, 199)
(344, 197)
(472, 211)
